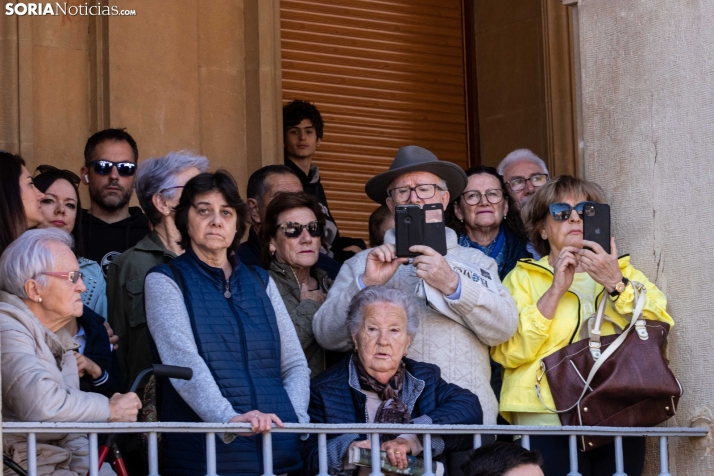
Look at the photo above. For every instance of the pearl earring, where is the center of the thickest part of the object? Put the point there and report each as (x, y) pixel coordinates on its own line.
(39, 300)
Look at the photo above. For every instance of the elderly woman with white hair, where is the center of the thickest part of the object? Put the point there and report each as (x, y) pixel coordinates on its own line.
(378, 384)
(159, 183)
(40, 292)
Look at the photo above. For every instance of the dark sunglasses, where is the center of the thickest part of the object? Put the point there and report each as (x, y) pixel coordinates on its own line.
(71, 177)
(562, 211)
(293, 230)
(104, 167)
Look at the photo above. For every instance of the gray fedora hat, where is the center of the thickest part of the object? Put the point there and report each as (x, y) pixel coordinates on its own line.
(413, 158)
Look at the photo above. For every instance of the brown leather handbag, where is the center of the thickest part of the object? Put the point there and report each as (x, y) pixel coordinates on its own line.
(618, 380)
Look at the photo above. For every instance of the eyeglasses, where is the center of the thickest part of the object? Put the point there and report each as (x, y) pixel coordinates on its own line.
(473, 197)
(423, 191)
(519, 183)
(293, 229)
(561, 211)
(73, 276)
(171, 188)
(104, 167)
(71, 177)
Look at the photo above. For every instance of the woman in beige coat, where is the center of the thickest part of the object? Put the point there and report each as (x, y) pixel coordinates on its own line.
(40, 287)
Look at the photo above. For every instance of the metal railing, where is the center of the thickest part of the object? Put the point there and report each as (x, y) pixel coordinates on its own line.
(374, 430)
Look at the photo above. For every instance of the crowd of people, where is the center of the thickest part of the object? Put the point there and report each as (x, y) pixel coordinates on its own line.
(297, 323)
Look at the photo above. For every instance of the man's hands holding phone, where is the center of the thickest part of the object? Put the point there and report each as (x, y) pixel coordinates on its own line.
(382, 263)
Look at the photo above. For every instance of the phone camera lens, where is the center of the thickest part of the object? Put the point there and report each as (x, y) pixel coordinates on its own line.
(590, 210)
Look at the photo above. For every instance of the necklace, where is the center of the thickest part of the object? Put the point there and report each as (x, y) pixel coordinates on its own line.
(298, 281)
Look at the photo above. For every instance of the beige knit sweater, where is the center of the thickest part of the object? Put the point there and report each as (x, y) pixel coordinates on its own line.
(461, 350)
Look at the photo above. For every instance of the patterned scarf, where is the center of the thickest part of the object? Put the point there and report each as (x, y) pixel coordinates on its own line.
(392, 409)
(496, 249)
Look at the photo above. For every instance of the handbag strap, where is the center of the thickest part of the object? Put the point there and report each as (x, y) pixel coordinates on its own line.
(640, 295)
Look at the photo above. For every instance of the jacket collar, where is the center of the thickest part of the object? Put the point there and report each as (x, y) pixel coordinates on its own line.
(152, 243)
(284, 270)
(411, 389)
(452, 239)
(215, 274)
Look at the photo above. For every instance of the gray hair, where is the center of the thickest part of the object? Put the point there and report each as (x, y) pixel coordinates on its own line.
(518, 155)
(27, 257)
(158, 175)
(380, 294)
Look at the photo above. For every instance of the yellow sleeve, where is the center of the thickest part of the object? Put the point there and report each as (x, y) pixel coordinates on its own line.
(533, 328)
(656, 304)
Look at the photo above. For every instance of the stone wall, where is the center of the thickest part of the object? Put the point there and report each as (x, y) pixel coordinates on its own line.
(179, 75)
(647, 69)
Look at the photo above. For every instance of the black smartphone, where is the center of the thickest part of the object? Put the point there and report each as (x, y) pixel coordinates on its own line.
(415, 225)
(596, 224)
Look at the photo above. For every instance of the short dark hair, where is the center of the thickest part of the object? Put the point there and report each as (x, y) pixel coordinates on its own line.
(256, 183)
(43, 182)
(513, 218)
(222, 182)
(498, 458)
(116, 135)
(376, 238)
(294, 112)
(12, 211)
(284, 202)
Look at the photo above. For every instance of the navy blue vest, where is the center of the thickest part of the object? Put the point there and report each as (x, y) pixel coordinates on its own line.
(239, 340)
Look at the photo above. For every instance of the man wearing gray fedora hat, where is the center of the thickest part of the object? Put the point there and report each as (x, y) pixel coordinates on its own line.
(479, 310)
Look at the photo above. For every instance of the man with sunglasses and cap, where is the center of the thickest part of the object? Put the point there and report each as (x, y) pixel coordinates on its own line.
(111, 226)
(481, 311)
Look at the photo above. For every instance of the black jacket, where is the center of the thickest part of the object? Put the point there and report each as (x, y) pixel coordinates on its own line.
(515, 250)
(105, 241)
(335, 398)
(98, 350)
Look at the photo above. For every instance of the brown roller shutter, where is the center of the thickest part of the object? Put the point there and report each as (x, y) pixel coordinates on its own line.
(384, 74)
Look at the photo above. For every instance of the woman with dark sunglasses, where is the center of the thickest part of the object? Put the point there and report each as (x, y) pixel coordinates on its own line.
(555, 296)
(291, 237)
(225, 320)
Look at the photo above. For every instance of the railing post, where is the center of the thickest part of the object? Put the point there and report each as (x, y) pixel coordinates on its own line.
(31, 454)
(619, 460)
(268, 454)
(211, 454)
(428, 470)
(573, 446)
(93, 455)
(477, 440)
(376, 457)
(526, 441)
(153, 454)
(663, 457)
(322, 453)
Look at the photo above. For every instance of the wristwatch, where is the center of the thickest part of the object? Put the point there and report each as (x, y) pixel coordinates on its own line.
(619, 287)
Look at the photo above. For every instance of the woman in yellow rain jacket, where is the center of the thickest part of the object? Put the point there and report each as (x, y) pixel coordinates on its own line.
(555, 295)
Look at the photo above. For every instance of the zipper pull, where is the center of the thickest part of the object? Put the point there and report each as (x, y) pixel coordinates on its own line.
(227, 293)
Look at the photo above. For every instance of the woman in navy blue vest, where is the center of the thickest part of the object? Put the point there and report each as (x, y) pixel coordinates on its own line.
(378, 384)
(225, 320)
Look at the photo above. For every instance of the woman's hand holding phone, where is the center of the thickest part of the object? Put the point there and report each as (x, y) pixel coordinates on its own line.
(601, 266)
